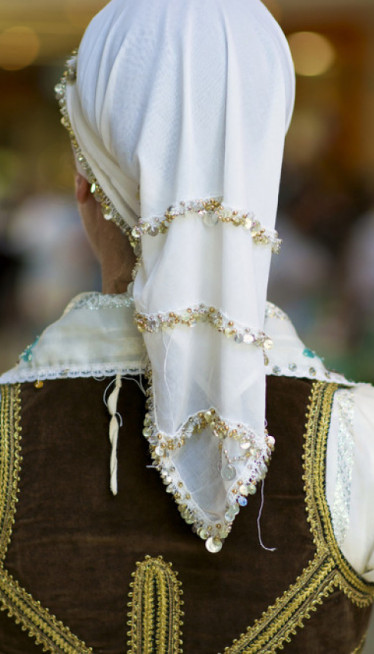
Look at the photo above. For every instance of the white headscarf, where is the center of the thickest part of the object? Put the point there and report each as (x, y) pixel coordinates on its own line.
(178, 114)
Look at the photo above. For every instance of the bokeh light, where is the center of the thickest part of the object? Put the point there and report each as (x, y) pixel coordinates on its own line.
(274, 8)
(80, 13)
(19, 47)
(313, 53)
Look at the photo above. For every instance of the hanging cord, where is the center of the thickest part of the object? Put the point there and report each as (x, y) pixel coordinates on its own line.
(138, 382)
(114, 426)
(116, 421)
(268, 549)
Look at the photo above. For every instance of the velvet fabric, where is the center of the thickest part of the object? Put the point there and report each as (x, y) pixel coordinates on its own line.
(74, 545)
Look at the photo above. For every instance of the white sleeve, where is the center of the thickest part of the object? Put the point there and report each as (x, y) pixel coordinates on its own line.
(350, 476)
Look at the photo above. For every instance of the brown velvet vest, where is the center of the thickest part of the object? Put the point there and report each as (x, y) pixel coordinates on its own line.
(69, 549)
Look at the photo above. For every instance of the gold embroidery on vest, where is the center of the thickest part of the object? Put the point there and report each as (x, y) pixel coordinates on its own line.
(155, 615)
(155, 607)
(328, 570)
(10, 462)
(361, 646)
(40, 624)
(360, 592)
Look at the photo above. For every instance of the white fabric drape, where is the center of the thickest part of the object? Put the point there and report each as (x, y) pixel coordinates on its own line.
(181, 102)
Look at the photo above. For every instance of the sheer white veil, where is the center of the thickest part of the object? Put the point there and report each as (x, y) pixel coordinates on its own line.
(178, 113)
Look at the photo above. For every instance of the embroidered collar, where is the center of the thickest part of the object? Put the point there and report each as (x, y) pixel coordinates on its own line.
(96, 336)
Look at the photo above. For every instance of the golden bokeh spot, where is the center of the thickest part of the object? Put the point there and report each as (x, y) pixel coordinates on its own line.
(79, 13)
(19, 47)
(313, 53)
(274, 7)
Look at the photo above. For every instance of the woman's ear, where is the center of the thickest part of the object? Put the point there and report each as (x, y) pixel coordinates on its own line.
(82, 188)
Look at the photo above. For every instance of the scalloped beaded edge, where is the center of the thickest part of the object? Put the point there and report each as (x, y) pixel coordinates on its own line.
(212, 211)
(155, 322)
(257, 452)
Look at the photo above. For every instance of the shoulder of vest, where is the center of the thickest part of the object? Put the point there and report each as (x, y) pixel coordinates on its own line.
(317, 427)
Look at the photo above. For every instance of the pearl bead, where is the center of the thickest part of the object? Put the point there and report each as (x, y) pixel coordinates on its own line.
(213, 545)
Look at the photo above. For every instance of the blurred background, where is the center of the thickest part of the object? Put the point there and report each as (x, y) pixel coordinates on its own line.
(324, 277)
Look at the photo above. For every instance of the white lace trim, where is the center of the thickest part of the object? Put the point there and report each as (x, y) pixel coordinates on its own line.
(19, 376)
(95, 301)
(345, 458)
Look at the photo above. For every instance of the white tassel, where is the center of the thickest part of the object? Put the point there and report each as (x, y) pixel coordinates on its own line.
(113, 433)
(268, 549)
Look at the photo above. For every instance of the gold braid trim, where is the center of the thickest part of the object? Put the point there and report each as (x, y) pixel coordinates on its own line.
(38, 621)
(361, 646)
(155, 614)
(328, 570)
(40, 624)
(10, 461)
(280, 621)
